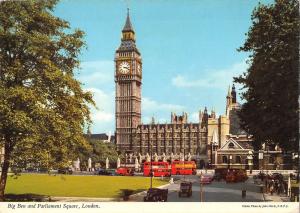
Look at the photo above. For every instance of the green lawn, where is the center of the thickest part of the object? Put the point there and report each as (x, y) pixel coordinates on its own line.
(77, 186)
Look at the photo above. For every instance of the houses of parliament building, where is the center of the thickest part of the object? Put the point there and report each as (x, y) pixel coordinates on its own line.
(177, 139)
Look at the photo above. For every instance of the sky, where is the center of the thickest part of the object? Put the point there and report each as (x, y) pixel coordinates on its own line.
(189, 53)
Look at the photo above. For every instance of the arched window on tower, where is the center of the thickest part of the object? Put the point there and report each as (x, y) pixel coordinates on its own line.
(224, 159)
(238, 159)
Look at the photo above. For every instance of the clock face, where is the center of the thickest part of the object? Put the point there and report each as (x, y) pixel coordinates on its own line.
(124, 67)
(139, 69)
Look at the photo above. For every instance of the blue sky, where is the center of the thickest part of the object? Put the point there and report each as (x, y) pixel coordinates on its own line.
(188, 50)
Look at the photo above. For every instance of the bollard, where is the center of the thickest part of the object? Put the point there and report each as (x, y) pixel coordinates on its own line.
(261, 189)
(171, 181)
(243, 193)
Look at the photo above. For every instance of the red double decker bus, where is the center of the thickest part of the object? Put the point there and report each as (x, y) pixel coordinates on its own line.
(158, 169)
(183, 168)
(125, 171)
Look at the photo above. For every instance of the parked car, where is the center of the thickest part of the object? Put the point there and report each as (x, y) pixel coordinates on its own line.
(222, 172)
(277, 176)
(65, 170)
(156, 194)
(206, 179)
(185, 189)
(217, 177)
(31, 169)
(261, 176)
(240, 175)
(43, 170)
(230, 177)
(109, 172)
(125, 171)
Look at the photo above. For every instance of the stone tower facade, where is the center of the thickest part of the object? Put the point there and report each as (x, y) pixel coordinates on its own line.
(128, 85)
(175, 140)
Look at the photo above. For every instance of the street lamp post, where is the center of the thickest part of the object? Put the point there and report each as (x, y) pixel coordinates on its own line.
(211, 153)
(250, 160)
(295, 158)
(151, 172)
(230, 158)
(201, 188)
(298, 168)
(184, 157)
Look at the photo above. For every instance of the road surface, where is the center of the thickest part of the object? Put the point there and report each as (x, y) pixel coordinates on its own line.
(216, 191)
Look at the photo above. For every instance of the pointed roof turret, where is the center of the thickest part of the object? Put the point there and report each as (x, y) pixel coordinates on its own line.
(128, 37)
(233, 87)
(233, 94)
(128, 26)
(205, 110)
(215, 138)
(152, 120)
(229, 92)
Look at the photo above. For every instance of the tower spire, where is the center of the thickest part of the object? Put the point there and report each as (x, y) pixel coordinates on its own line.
(229, 91)
(128, 26)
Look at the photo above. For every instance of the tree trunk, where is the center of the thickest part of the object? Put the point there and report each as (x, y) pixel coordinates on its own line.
(4, 172)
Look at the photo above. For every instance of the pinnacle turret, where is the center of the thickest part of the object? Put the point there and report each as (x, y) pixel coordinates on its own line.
(229, 92)
(128, 26)
(233, 94)
(128, 37)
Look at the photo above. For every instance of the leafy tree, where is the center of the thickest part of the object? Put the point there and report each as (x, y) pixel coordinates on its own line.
(100, 151)
(43, 109)
(270, 112)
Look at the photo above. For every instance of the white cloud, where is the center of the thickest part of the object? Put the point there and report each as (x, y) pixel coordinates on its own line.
(211, 78)
(152, 108)
(149, 105)
(95, 73)
(103, 100)
(181, 81)
(103, 117)
(194, 117)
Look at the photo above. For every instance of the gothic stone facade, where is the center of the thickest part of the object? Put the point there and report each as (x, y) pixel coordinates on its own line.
(177, 137)
(172, 140)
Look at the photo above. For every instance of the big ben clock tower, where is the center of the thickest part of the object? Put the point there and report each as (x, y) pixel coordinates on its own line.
(128, 79)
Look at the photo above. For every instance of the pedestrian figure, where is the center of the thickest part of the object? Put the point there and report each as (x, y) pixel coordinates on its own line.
(261, 175)
(267, 184)
(279, 188)
(285, 185)
(276, 186)
(272, 187)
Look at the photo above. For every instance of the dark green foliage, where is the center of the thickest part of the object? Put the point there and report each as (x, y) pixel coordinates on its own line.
(99, 152)
(270, 112)
(43, 109)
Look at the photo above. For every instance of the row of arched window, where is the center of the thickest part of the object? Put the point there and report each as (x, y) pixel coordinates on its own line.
(238, 159)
